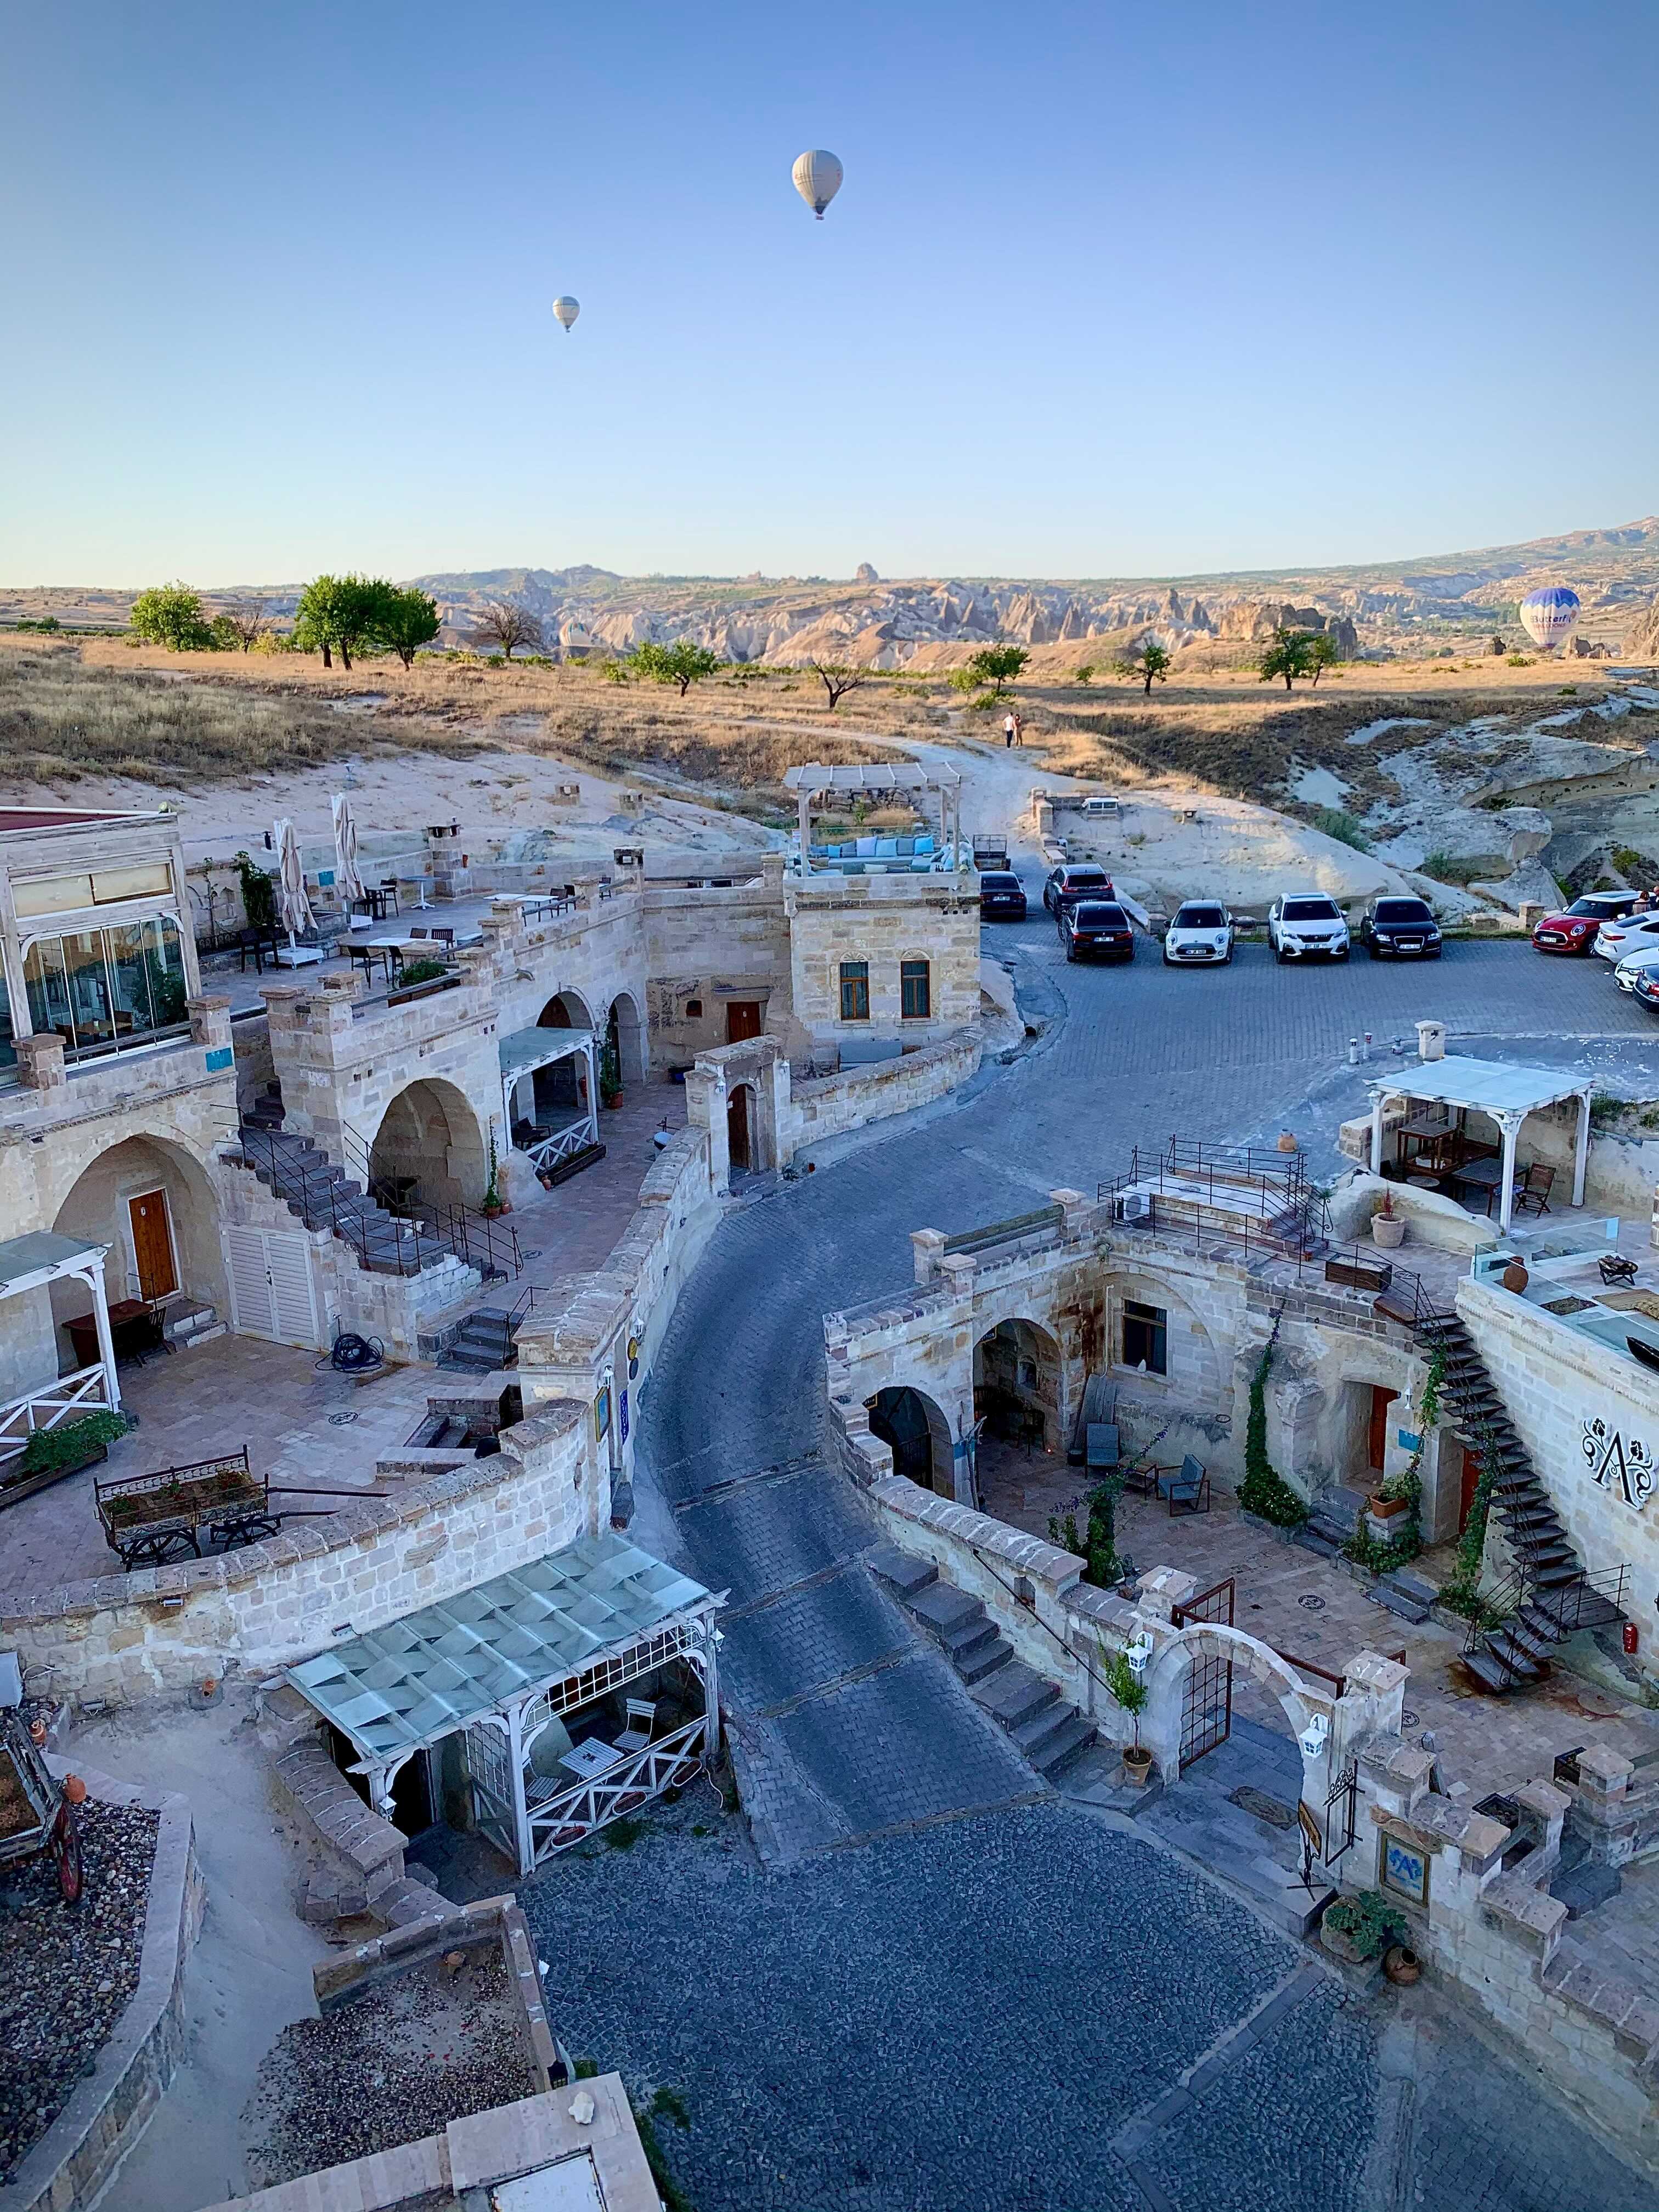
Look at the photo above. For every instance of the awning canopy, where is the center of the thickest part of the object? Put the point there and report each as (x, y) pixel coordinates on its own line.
(1489, 1086)
(887, 775)
(395, 1689)
(42, 1256)
(523, 1051)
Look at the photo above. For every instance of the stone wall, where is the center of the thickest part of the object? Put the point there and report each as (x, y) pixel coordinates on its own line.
(883, 921)
(123, 1637)
(828, 1105)
(1557, 1386)
(707, 949)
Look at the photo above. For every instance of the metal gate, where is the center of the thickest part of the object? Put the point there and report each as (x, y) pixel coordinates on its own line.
(1206, 1711)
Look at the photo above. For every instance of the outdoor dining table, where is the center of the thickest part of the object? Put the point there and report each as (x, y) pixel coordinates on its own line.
(589, 1759)
(1484, 1175)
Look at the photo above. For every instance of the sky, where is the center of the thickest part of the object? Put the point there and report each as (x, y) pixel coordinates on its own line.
(1108, 291)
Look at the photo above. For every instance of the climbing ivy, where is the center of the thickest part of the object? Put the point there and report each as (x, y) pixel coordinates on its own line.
(1407, 1481)
(1264, 1490)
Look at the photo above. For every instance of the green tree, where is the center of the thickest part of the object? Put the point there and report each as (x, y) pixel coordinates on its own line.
(336, 614)
(404, 621)
(1148, 664)
(1290, 655)
(996, 664)
(682, 663)
(1323, 652)
(171, 615)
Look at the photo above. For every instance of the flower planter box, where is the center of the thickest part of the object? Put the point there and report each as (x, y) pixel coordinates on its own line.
(1374, 1275)
(15, 1485)
(1384, 1508)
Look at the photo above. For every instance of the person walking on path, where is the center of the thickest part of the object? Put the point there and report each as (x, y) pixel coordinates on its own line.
(1010, 728)
(1018, 721)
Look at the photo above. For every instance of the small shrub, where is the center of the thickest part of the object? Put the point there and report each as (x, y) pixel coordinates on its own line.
(1369, 1920)
(1335, 821)
(49, 1448)
(622, 1835)
(420, 971)
(1626, 860)
(1378, 1559)
(1518, 660)
(1449, 868)
(982, 703)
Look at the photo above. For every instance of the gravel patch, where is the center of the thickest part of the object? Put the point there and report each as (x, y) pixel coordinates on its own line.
(958, 2019)
(397, 2063)
(67, 1972)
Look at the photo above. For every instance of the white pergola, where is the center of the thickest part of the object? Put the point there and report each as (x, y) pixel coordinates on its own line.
(522, 1052)
(1505, 1091)
(501, 1664)
(30, 1263)
(907, 780)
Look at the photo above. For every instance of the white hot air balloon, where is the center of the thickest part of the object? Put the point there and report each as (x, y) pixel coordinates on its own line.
(818, 179)
(1550, 615)
(567, 309)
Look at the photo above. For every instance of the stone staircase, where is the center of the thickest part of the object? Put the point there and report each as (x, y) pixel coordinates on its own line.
(186, 1321)
(1333, 1521)
(484, 1342)
(323, 1196)
(1051, 1736)
(1557, 1598)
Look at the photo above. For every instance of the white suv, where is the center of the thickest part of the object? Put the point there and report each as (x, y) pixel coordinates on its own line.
(1202, 930)
(1307, 922)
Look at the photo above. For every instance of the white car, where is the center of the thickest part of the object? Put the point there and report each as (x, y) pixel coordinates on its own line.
(1307, 923)
(1202, 930)
(1633, 964)
(1633, 932)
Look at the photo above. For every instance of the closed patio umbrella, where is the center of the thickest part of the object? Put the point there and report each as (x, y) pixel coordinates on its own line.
(293, 907)
(346, 873)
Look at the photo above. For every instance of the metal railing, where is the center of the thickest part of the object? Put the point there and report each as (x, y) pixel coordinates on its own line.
(309, 1181)
(1566, 1606)
(1296, 1233)
(488, 1244)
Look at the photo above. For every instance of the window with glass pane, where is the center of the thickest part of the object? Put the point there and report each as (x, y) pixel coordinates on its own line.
(855, 990)
(915, 990)
(166, 963)
(48, 992)
(1146, 1336)
(91, 1007)
(128, 973)
(7, 1030)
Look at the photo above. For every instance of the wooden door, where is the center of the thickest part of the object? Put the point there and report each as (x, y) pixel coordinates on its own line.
(152, 1245)
(737, 1127)
(1376, 1437)
(1471, 1484)
(743, 1019)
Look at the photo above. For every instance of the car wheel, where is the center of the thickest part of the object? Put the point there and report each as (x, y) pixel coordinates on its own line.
(1344, 953)
(1376, 951)
(1280, 954)
(1227, 957)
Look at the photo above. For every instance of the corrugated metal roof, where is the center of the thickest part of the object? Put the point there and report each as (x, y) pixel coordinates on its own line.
(393, 1689)
(1490, 1086)
(888, 776)
(523, 1049)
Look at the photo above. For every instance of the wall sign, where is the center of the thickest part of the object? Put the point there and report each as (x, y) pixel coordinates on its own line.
(1617, 1463)
(1403, 1870)
(220, 1057)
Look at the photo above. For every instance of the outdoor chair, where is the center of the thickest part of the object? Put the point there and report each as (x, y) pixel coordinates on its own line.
(1532, 1190)
(416, 931)
(642, 1720)
(258, 942)
(1186, 1486)
(388, 889)
(1100, 1448)
(443, 935)
(1616, 1268)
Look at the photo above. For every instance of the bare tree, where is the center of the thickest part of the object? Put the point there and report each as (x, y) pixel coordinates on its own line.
(838, 681)
(247, 622)
(503, 624)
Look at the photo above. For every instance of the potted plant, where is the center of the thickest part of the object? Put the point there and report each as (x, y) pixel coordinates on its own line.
(1361, 1927)
(611, 1089)
(493, 1203)
(1128, 1687)
(1388, 1227)
(50, 1454)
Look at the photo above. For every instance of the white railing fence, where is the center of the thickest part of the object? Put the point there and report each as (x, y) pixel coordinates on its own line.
(560, 1821)
(45, 1406)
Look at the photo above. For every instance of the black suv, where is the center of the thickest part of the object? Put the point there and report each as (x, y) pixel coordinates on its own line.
(1092, 927)
(1001, 897)
(1072, 881)
(1404, 927)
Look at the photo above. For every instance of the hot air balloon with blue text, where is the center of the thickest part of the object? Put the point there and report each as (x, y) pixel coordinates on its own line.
(1550, 615)
(818, 179)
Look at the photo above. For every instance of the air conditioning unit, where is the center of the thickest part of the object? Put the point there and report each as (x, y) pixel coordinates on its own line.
(1134, 1206)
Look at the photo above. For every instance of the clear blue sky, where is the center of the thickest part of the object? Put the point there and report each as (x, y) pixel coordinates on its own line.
(1107, 291)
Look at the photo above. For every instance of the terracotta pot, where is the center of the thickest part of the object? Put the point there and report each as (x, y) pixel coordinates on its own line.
(1388, 1231)
(1514, 1277)
(493, 1213)
(1402, 1964)
(1384, 1508)
(612, 1099)
(1138, 1765)
(1286, 1142)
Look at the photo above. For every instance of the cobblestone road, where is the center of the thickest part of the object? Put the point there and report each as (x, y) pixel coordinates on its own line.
(923, 1975)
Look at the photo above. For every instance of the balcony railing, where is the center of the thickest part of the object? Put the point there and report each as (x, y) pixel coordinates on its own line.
(83, 1392)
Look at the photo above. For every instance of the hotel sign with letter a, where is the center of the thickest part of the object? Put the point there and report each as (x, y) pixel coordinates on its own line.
(1616, 1464)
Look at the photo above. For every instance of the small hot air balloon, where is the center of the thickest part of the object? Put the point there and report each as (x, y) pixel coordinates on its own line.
(818, 179)
(567, 309)
(1550, 616)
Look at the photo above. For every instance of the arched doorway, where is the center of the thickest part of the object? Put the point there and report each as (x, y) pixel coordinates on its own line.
(565, 1010)
(1184, 1677)
(155, 1208)
(919, 1436)
(739, 1110)
(430, 1148)
(558, 1092)
(623, 1030)
(1016, 1368)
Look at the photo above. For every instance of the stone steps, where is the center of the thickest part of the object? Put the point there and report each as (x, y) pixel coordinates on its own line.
(1052, 1735)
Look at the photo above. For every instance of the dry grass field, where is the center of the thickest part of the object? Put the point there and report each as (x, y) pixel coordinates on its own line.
(98, 707)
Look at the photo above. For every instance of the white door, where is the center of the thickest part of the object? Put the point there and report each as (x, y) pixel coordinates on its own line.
(271, 1290)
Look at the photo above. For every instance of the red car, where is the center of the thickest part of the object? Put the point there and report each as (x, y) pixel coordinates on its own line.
(1575, 930)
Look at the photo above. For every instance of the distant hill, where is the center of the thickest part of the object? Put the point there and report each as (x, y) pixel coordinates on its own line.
(1415, 606)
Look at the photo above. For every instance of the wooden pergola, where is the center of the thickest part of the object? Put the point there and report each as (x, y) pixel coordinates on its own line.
(31, 1263)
